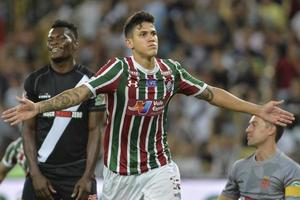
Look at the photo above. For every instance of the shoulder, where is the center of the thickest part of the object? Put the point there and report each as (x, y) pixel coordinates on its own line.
(84, 70)
(116, 61)
(242, 163)
(287, 163)
(37, 73)
(13, 146)
(170, 62)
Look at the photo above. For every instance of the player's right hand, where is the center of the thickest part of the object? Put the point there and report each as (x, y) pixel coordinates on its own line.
(25, 110)
(43, 187)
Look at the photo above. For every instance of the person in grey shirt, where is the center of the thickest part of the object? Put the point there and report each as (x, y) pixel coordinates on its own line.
(266, 174)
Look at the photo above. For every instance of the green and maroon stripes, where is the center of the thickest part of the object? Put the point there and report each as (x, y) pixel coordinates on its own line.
(108, 77)
(135, 139)
(130, 93)
(118, 119)
(14, 154)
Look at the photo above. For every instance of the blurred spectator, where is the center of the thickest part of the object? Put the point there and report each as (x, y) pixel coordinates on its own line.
(251, 48)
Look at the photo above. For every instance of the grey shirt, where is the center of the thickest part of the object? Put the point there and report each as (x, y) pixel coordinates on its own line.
(275, 178)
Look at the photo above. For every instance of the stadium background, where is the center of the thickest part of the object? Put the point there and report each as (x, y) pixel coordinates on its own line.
(250, 48)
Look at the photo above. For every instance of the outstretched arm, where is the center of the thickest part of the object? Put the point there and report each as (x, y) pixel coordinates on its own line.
(65, 99)
(270, 111)
(27, 109)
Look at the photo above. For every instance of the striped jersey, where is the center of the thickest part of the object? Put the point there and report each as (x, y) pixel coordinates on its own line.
(275, 178)
(14, 154)
(135, 138)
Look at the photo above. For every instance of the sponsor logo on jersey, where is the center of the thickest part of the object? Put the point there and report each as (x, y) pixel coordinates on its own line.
(68, 114)
(151, 83)
(145, 107)
(265, 183)
(44, 96)
(133, 83)
(142, 107)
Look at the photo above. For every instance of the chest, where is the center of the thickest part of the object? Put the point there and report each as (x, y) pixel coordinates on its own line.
(260, 180)
(146, 94)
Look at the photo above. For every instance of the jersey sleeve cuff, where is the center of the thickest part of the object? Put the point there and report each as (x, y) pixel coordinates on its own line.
(91, 89)
(201, 90)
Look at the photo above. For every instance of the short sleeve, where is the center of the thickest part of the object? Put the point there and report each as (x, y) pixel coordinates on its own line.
(9, 158)
(107, 78)
(188, 84)
(292, 181)
(29, 88)
(231, 188)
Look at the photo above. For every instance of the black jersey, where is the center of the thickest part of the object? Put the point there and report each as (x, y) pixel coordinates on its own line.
(61, 135)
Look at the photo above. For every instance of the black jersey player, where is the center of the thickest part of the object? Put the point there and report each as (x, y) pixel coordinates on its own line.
(61, 147)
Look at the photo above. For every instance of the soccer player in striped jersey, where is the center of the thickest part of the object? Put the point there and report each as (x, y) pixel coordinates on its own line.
(14, 154)
(138, 90)
(266, 174)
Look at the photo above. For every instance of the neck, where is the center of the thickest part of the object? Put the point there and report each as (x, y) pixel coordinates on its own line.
(64, 66)
(146, 62)
(265, 152)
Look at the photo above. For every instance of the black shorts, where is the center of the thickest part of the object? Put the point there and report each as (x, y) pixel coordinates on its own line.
(63, 179)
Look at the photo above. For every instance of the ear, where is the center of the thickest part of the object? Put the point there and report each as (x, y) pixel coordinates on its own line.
(76, 44)
(129, 43)
(272, 130)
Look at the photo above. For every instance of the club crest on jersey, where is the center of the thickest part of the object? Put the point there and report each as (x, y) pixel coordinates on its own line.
(151, 83)
(142, 107)
(265, 183)
(169, 85)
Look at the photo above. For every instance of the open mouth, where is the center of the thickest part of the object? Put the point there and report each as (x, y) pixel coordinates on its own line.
(56, 50)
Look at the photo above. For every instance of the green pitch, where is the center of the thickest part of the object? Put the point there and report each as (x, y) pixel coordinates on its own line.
(16, 172)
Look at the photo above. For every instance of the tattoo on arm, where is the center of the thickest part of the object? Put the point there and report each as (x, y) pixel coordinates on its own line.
(207, 94)
(64, 100)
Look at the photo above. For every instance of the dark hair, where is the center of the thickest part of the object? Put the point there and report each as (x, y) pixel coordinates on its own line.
(137, 19)
(64, 24)
(279, 132)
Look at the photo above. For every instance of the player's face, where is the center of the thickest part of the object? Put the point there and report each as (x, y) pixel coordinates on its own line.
(257, 132)
(143, 40)
(61, 44)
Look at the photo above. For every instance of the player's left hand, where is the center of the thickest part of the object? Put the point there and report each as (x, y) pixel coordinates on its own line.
(82, 189)
(274, 114)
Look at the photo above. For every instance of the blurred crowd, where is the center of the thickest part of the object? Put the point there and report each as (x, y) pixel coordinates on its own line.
(251, 48)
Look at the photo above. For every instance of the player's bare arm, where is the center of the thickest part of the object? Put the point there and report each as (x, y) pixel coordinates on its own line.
(206, 95)
(65, 99)
(269, 111)
(27, 109)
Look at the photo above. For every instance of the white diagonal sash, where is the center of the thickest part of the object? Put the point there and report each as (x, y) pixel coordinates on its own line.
(58, 127)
